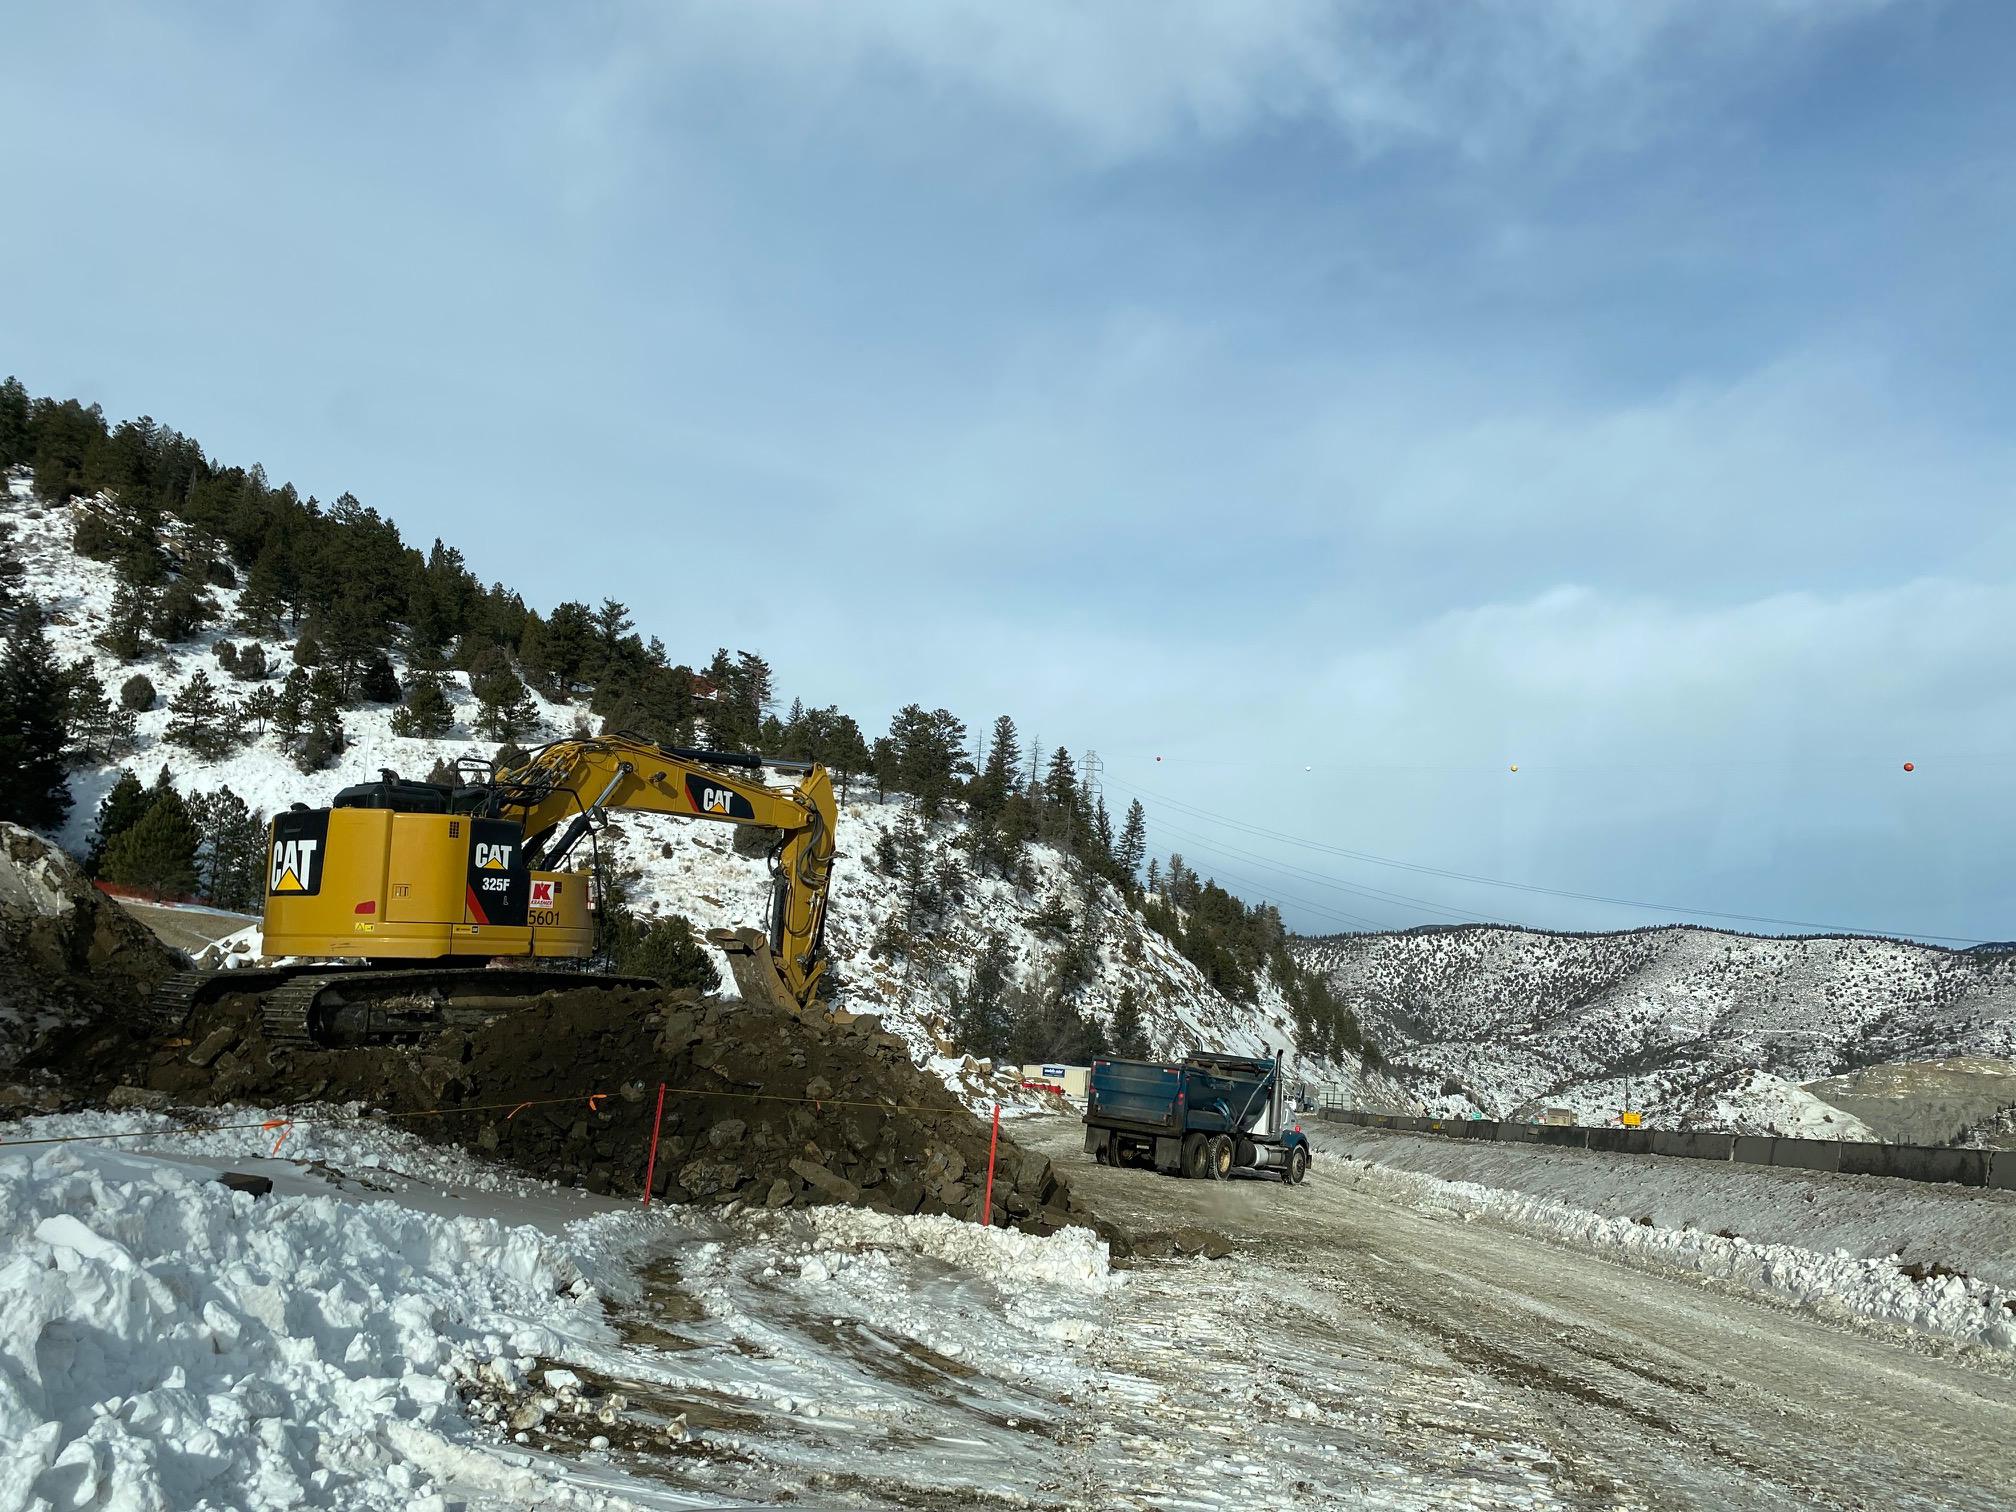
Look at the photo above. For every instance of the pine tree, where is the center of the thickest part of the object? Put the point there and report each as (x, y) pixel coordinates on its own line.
(426, 714)
(123, 806)
(321, 739)
(1130, 1035)
(307, 647)
(231, 853)
(34, 739)
(158, 854)
(1154, 875)
(265, 593)
(998, 775)
(1133, 846)
(98, 729)
(202, 721)
(379, 683)
(980, 1014)
(125, 633)
(290, 709)
(182, 610)
(504, 710)
(259, 707)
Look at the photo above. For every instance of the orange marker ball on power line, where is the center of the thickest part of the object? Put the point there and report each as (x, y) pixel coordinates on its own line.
(1910, 767)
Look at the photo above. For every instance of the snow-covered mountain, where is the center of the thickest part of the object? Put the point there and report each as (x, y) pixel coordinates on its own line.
(1698, 1026)
(683, 867)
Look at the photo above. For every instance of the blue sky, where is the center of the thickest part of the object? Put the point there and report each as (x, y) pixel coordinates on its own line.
(1341, 402)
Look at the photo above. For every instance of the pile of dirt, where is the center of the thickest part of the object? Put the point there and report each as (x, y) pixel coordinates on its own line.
(761, 1106)
(70, 957)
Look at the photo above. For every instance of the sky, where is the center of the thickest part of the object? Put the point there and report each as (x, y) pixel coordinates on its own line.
(1316, 409)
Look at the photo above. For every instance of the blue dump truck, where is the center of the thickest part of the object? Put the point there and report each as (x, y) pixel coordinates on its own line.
(1207, 1116)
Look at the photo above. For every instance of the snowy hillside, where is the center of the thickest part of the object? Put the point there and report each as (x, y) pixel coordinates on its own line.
(1707, 1028)
(693, 869)
(684, 867)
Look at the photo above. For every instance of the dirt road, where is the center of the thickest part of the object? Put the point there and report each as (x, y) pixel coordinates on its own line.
(187, 929)
(1364, 1351)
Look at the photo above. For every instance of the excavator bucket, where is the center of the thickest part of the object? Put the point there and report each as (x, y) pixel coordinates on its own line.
(755, 969)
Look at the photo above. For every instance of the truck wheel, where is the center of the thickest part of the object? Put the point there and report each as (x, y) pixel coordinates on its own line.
(1245, 1153)
(1298, 1165)
(1194, 1156)
(1103, 1154)
(1218, 1160)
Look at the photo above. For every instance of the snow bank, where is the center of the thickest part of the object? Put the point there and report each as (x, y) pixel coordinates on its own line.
(1834, 1243)
(165, 1341)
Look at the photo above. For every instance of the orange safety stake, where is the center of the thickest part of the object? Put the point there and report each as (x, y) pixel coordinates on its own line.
(595, 1101)
(993, 1142)
(651, 1165)
(284, 1125)
(516, 1111)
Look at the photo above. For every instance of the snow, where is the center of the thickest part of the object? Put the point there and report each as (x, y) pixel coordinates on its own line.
(347, 1340)
(1837, 1243)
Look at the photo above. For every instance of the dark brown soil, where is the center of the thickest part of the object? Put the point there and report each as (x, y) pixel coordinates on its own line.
(760, 1106)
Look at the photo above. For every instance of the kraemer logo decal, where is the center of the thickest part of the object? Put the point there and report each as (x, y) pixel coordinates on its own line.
(542, 894)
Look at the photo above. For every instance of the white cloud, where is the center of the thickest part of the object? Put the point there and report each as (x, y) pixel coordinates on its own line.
(1126, 78)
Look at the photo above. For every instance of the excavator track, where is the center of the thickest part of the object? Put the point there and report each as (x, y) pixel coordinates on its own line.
(328, 1005)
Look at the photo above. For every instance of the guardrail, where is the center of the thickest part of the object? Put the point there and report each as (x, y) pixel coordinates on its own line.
(1981, 1168)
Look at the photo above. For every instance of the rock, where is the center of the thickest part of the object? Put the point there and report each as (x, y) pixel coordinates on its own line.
(214, 1043)
(824, 1182)
(780, 1194)
(1200, 1241)
(729, 1133)
(818, 1087)
(238, 1181)
(712, 1175)
(137, 1097)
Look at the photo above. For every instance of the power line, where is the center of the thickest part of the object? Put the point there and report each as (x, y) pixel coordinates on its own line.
(1263, 832)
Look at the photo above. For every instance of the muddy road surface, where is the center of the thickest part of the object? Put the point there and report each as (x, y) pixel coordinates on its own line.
(1360, 1349)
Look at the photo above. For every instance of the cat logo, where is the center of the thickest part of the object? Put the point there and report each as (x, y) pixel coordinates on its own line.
(493, 857)
(715, 800)
(294, 866)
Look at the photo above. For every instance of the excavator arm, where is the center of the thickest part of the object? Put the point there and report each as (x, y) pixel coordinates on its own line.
(564, 791)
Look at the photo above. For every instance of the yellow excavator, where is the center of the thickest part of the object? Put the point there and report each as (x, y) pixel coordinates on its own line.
(411, 902)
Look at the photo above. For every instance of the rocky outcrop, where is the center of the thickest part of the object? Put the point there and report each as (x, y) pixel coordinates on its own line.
(70, 957)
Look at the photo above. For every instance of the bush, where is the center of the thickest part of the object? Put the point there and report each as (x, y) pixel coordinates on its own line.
(219, 575)
(251, 664)
(137, 693)
(667, 949)
(226, 654)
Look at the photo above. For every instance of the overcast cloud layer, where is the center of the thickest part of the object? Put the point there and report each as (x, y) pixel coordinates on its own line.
(1341, 402)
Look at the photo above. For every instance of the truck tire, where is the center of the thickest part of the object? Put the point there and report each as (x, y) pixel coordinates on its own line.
(1298, 1165)
(1245, 1153)
(1218, 1158)
(1194, 1156)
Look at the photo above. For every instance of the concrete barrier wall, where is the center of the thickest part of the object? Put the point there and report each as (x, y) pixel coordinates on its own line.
(1982, 1168)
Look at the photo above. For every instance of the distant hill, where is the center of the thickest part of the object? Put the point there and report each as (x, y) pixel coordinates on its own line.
(1705, 1026)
